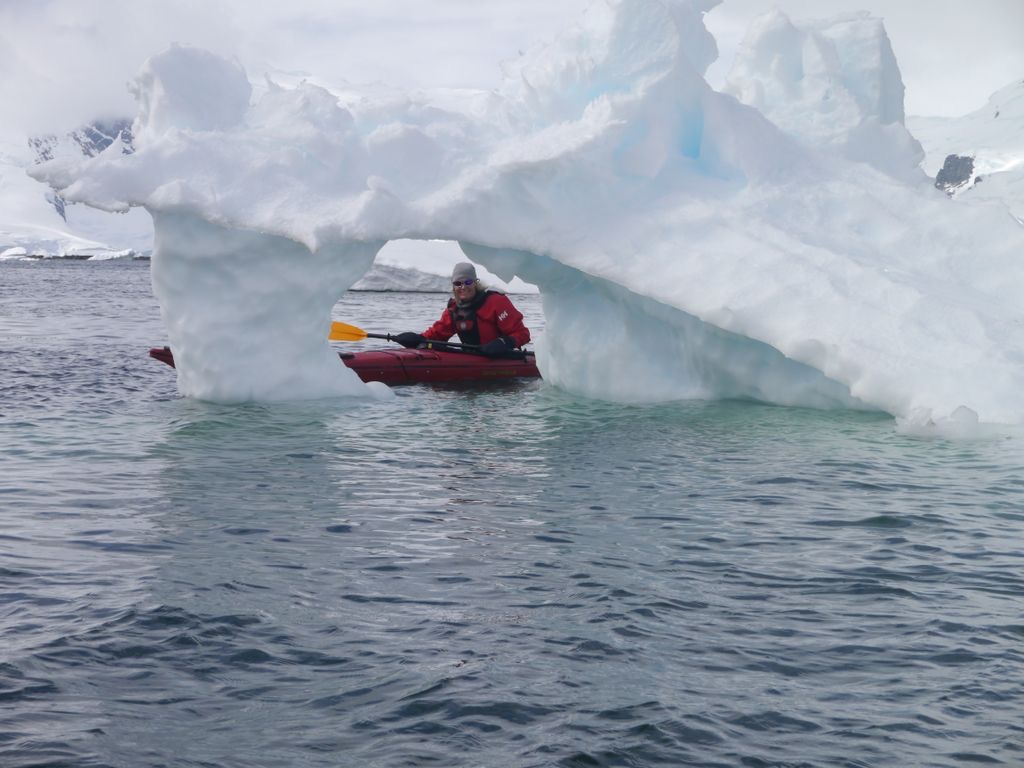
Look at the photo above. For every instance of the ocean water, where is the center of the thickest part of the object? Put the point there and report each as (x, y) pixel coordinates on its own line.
(507, 576)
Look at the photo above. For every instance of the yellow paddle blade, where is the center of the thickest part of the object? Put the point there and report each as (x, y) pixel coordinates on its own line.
(346, 332)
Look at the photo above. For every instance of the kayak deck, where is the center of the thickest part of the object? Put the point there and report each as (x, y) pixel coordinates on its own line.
(416, 366)
(412, 366)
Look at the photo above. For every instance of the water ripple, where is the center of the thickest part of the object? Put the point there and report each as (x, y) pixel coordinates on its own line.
(462, 577)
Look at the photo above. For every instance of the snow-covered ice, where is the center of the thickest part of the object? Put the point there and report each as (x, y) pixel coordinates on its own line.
(776, 241)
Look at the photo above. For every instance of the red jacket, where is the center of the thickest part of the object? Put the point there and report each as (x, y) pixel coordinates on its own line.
(494, 316)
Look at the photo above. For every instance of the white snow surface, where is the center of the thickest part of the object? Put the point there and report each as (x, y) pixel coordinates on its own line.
(685, 244)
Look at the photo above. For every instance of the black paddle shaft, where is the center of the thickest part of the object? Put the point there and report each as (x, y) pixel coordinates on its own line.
(449, 346)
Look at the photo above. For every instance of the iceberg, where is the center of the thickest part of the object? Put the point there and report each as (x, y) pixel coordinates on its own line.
(776, 240)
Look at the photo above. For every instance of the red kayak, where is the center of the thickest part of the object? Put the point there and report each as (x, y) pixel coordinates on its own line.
(414, 366)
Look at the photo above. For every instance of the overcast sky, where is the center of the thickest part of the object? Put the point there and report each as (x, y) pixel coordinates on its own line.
(65, 61)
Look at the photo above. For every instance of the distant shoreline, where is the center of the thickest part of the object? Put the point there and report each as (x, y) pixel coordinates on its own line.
(102, 258)
(76, 257)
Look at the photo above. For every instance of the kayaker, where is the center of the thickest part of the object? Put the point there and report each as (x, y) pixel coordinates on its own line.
(478, 315)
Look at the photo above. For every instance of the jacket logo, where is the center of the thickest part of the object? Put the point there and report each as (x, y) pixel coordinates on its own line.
(503, 315)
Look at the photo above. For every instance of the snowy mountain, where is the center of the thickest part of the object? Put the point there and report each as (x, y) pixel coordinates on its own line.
(36, 222)
(979, 155)
(382, 277)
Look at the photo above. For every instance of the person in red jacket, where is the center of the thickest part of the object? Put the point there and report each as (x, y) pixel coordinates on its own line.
(479, 316)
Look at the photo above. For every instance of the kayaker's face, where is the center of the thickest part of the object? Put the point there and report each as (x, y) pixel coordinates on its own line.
(464, 289)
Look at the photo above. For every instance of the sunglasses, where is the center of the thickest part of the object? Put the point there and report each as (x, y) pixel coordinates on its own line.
(462, 283)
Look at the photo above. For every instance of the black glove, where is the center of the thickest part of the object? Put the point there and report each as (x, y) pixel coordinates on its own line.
(498, 347)
(409, 339)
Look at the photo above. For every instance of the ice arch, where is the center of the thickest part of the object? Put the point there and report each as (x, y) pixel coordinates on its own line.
(263, 336)
(739, 258)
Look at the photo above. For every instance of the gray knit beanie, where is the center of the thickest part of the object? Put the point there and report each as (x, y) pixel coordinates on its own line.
(464, 271)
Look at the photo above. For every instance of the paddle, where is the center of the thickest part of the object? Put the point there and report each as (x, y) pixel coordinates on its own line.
(345, 332)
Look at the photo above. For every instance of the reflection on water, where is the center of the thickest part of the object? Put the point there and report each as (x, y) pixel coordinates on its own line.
(501, 576)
